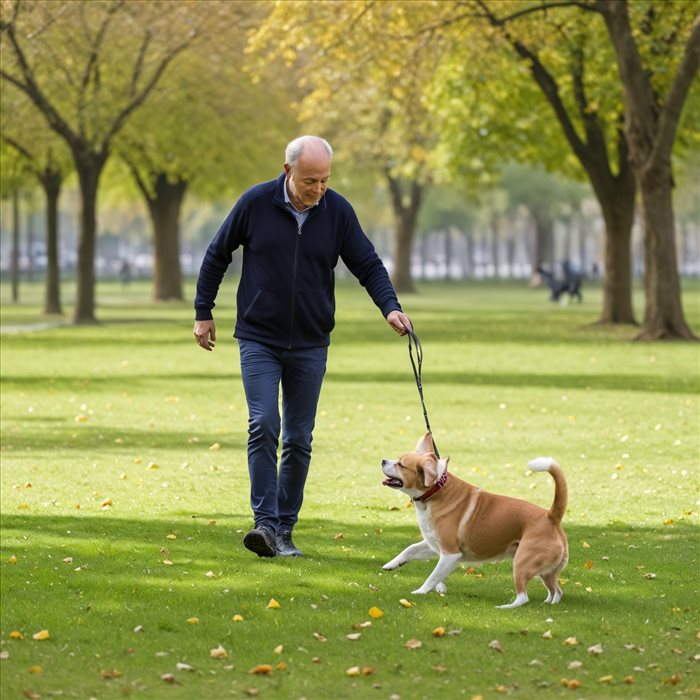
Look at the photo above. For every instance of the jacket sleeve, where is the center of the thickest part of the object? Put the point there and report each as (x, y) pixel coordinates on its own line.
(217, 259)
(362, 260)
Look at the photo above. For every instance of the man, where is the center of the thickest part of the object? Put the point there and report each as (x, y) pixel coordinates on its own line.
(292, 230)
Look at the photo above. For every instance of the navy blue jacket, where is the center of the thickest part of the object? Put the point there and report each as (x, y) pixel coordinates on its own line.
(286, 292)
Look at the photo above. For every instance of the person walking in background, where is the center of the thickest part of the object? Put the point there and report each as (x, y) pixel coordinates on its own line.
(293, 230)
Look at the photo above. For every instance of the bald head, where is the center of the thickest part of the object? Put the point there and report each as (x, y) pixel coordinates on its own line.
(306, 144)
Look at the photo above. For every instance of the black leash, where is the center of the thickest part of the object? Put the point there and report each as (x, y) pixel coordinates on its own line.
(418, 371)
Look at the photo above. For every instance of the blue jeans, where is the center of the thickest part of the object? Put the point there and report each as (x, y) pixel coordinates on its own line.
(276, 498)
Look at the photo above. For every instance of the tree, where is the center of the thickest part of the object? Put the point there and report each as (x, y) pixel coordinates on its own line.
(87, 67)
(351, 59)
(653, 105)
(45, 156)
(245, 132)
(652, 96)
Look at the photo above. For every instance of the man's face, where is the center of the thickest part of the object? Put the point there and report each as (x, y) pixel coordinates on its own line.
(307, 180)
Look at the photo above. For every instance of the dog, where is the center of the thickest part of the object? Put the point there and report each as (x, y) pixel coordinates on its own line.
(571, 284)
(462, 523)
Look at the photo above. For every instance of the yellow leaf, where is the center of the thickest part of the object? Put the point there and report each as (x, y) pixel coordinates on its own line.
(218, 653)
(547, 634)
(406, 603)
(238, 618)
(340, 536)
(193, 620)
(353, 671)
(35, 669)
(585, 545)
(367, 670)
(605, 679)
(16, 634)
(273, 604)
(588, 565)
(171, 536)
(570, 641)
(628, 680)
(216, 446)
(376, 613)
(668, 521)
(261, 670)
(41, 635)
(106, 502)
(439, 632)
(279, 649)
(413, 644)
(12, 559)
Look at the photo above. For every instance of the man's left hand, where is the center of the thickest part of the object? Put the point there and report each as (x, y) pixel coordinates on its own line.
(399, 322)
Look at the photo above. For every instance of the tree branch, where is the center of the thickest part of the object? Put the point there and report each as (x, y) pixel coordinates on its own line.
(682, 81)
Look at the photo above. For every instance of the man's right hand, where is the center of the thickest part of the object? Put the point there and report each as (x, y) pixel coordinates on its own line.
(205, 334)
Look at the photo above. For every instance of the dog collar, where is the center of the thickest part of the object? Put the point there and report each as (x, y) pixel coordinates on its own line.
(436, 487)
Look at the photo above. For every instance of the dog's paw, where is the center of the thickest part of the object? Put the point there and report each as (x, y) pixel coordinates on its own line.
(390, 565)
(421, 591)
(441, 588)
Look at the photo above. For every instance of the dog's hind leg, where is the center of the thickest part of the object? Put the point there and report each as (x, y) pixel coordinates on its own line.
(420, 550)
(554, 591)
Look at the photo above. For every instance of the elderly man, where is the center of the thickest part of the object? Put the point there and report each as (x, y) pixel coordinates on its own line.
(292, 231)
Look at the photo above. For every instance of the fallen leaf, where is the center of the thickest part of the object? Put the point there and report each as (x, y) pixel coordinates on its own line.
(675, 679)
(440, 668)
(496, 646)
(340, 536)
(251, 692)
(111, 675)
(628, 680)
(376, 613)
(238, 618)
(406, 603)
(12, 559)
(650, 576)
(106, 503)
(214, 447)
(218, 653)
(273, 604)
(167, 562)
(261, 670)
(35, 669)
(367, 670)
(439, 632)
(171, 536)
(68, 560)
(354, 636)
(168, 678)
(570, 641)
(183, 667)
(281, 666)
(588, 565)
(361, 625)
(574, 665)
(353, 671)
(413, 644)
(571, 683)
(585, 545)
(605, 679)
(319, 637)
(16, 634)
(547, 634)
(4, 655)
(41, 635)
(596, 649)
(192, 620)
(278, 649)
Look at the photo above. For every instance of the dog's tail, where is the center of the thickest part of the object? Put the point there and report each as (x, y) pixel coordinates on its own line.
(561, 491)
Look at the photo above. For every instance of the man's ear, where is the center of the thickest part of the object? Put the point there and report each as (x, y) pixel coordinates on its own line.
(425, 445)
(428, 470)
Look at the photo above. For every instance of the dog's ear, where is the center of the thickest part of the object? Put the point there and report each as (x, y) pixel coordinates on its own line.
(428, 469)
(425, 444)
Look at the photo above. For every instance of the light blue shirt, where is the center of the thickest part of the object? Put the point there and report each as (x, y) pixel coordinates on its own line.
(300, 216)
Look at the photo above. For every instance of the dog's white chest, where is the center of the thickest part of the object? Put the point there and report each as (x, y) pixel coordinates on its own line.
(426, 527)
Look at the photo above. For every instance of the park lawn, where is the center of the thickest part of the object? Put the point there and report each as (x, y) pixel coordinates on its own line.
(124, 499)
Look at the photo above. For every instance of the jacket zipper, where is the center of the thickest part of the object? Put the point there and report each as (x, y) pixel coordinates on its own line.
(294, 285)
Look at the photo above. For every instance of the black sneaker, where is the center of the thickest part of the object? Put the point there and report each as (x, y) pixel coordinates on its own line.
(261, 540)
(285, 546)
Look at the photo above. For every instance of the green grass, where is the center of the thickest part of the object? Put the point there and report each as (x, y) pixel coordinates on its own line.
(128, 410)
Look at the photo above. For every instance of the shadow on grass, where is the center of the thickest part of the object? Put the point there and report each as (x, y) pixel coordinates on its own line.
(636, 567)
(603, 382)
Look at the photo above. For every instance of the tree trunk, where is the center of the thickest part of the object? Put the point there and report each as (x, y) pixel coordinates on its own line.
(663, 313)
(405, 216)
(89, 169)
(164, 204)
(14, 259)
(51, 181)
(617, 205)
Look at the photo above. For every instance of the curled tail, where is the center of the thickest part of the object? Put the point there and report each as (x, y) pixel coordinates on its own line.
(561, 491)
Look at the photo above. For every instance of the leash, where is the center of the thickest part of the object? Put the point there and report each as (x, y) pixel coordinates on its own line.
(418, 372)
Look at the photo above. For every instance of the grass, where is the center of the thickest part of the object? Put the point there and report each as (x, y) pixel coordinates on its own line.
(130, 412)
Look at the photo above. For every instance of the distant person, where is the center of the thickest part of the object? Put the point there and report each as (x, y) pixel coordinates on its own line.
(292, 231)
(125, 273)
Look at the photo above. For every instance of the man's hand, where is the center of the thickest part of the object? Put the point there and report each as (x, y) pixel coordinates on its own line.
(399, 322)
(205, 334)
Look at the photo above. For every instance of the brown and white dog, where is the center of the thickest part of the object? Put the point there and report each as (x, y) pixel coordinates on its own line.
(463, 523)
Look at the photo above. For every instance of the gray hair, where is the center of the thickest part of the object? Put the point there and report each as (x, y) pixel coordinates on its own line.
(296, 147)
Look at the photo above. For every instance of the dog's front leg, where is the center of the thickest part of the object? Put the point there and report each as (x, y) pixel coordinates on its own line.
(420, 550)
(445, 566)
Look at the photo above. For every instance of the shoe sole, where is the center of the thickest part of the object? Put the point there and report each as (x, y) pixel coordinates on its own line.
(297, 553)
(256, 542)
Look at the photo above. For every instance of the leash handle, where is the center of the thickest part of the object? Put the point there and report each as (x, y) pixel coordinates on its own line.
(418, 373)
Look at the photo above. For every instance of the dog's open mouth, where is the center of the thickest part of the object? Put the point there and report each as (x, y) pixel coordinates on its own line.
(393, 482)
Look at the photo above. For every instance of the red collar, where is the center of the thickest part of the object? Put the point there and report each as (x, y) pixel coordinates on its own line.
(436, 487)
